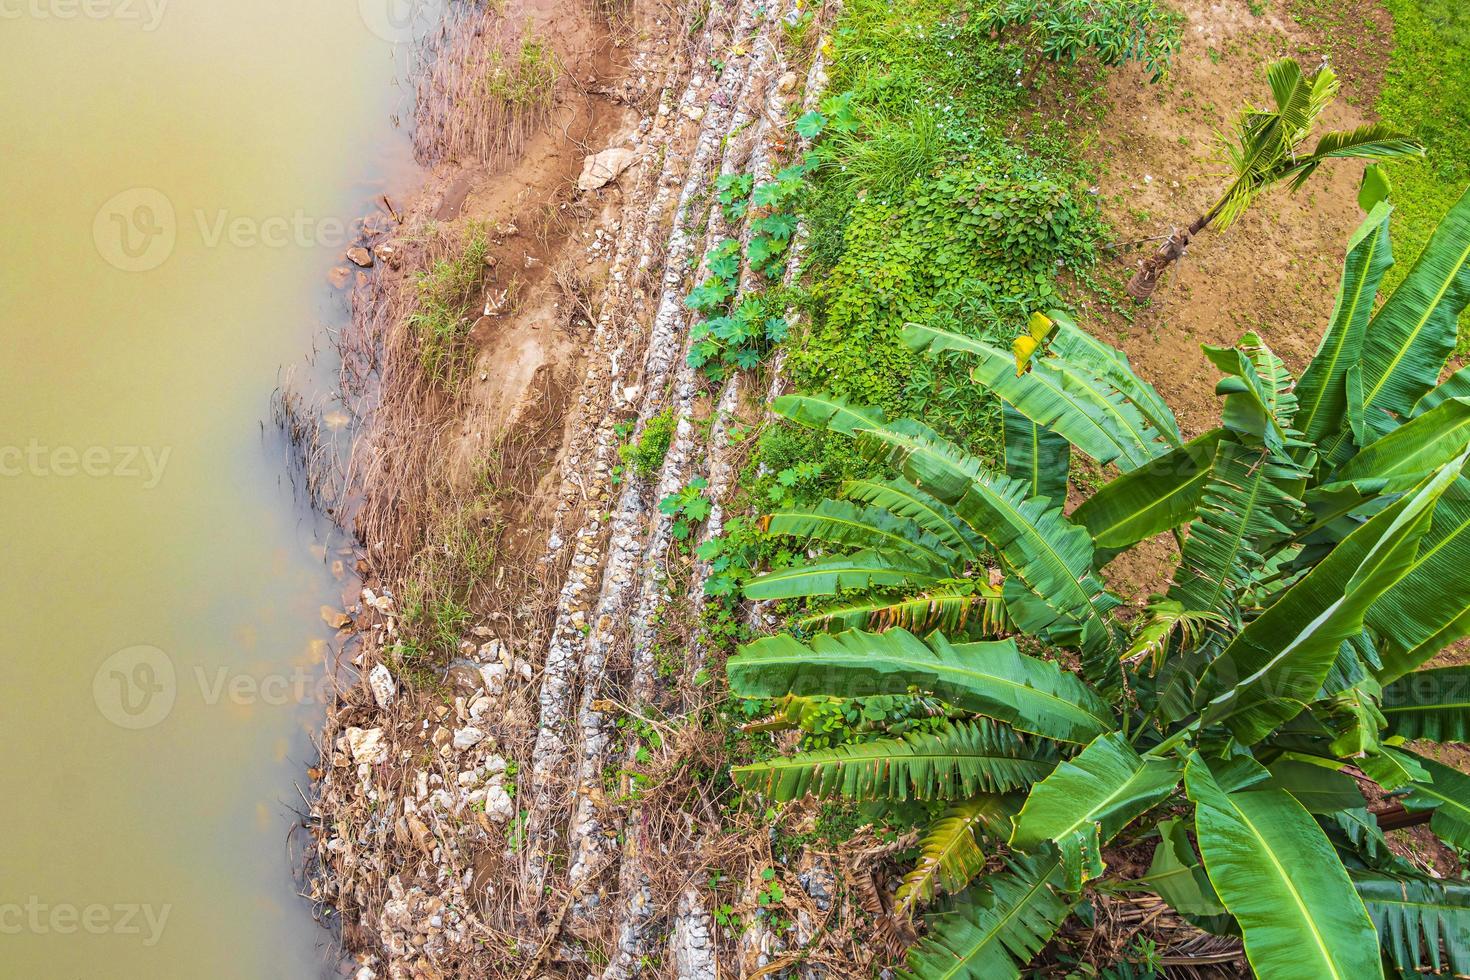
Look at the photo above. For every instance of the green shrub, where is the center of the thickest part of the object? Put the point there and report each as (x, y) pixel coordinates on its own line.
(646, 455)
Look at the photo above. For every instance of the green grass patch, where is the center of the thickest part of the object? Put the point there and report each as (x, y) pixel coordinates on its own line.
(1426, 91)
(446, 295)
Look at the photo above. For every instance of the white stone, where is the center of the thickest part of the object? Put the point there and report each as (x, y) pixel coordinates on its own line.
(385, 690)
(468, 737)
(603, 168)
(367, 745)
(498, 804)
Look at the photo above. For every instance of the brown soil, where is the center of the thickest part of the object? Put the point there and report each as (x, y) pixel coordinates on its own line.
(1276, 270)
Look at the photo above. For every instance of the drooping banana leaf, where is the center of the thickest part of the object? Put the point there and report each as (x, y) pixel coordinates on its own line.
(1052, 556)
(1067, 398)
(1456, 385)
(950, 855)
(1166, 619)
(1447, 793)
(1277, 664)
(1159, 495)
(1315, 787)
(1251, 402)
(1074, 344)
(1322, 391)
(843, 523)
(1278, 384)
(1277, 873)
(1407, 454)
(859, 570)
(1088, 799)
(906, 500)
(1411, 336)
(1417, 917)
(953, 764)
(951, 607)
(1430, 608)
(1035, 456)
(1000, 925)
(1432, 704)
(826, 412)
(989, 678)
(1178, 876)
(1241, 509)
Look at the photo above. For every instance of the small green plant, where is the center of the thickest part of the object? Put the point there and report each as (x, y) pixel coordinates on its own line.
(734, 193)
(687, 506)
(1113, 31)
(646, 455)
(445, 295)
(526, 78)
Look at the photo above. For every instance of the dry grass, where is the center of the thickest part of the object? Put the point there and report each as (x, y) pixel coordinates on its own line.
(485, 88)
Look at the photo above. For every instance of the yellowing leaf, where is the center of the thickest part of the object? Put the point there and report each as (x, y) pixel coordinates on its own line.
(1039, 326)
(1025, 346)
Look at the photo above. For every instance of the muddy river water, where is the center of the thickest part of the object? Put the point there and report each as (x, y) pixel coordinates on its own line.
(179, 176)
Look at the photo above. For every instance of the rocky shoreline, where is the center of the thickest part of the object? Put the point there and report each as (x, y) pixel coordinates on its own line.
(466, 822)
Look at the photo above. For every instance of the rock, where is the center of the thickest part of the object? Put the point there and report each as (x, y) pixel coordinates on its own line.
(366, 745)
(493, 676)
(464, 677)
(389, 254)
(339, 276)
(335, 618)
(603, 168)
(360, 256)
(385, 691)
(468, 737)
(694, 113)
(498, 804)
(787, 82)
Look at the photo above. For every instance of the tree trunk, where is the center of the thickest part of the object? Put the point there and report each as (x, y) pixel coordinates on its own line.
(1146, 279)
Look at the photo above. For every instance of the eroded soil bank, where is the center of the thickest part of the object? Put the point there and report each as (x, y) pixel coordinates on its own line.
(518, 323)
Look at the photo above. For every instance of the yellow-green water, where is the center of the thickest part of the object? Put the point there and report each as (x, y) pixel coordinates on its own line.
(174, 174)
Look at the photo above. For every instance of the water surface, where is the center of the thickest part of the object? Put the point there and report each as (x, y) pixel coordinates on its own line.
(177, 178)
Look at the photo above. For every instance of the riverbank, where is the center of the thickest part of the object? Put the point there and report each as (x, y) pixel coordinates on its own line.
(562, 362)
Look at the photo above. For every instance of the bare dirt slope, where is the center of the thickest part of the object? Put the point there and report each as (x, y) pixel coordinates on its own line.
(1276, 270)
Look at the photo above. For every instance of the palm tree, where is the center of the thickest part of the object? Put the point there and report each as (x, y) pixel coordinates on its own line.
(1266, 149)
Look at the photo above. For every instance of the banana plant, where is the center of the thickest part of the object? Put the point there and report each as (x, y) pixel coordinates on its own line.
(1239, 719)
(1267, 148)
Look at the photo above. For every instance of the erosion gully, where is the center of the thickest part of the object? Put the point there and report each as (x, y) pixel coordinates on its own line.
(180, 179)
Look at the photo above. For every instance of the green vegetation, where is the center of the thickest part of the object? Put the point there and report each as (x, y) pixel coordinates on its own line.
(446, 296)
(646, 455)
(524, 79)
(1426, 92)
(1033, 730)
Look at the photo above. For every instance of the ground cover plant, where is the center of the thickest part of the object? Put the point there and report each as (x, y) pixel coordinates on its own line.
(1032, 730)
